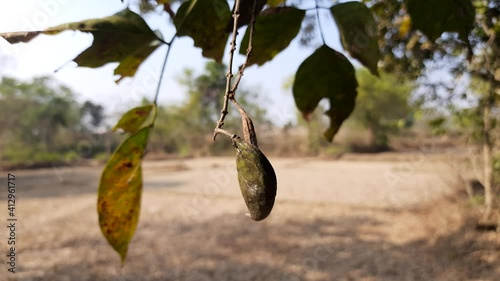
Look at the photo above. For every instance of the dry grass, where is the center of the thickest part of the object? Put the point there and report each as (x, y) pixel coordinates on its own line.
(190, 233)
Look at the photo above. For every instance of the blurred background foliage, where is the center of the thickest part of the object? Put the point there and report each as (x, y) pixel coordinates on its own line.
(43, 124)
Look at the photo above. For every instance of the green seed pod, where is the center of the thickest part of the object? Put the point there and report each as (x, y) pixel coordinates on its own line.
(256, 178)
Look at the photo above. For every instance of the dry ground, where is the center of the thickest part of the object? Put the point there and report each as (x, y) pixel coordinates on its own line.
(333, 220)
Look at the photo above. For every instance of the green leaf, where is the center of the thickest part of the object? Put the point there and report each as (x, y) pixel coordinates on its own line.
(435, 17)
(119, 196)
(341, 108)
(358, 33)
(274, 3)
(123, 37)
(275, 28)
(246, 8)
(205, 22)
(135, 118)
(326, 74)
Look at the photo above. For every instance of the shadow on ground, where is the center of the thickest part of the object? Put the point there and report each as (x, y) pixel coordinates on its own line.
(230, 247)
(68, 182)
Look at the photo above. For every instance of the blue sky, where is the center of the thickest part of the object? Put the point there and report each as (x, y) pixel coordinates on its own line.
(45, 54)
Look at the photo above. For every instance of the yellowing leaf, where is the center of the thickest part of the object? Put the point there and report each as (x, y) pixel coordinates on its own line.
(275, 3)
(135, 118)
(326, 74)
(275, 28)
(128, 66)
(358, 33)
(205, 22)
(123, 37)
(120, 189)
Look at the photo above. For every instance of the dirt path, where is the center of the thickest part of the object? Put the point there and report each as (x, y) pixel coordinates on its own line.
(333, 220)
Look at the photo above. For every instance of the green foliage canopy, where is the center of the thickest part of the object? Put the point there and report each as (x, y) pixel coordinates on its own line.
(382, 105)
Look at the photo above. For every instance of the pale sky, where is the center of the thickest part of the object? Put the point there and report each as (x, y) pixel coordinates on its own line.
(45, 54)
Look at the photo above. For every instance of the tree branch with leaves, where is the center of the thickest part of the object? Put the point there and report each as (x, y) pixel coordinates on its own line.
(399, 36)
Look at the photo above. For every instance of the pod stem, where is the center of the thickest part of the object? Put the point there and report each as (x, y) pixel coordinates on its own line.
(224, 132)
(248, 129)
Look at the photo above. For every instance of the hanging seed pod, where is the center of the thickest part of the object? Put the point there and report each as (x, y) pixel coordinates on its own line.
(256, 178)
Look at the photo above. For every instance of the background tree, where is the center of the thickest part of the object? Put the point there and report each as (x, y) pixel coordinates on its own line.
(382, 106)
(460, 36)
(41, 121)
(94, 113)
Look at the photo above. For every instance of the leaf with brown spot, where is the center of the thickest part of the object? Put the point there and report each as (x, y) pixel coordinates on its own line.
(120, 189)
(135, 118)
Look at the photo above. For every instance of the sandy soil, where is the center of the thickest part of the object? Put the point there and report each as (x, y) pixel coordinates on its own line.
(333, 220)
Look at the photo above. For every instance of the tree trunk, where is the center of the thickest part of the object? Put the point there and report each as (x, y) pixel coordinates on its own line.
(379, 141)
(489, 196)
(487, 159)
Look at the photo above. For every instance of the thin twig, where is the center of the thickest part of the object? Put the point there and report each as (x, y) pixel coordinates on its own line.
(163, 71)
(224, 132)
(229, 74)
(249, 50)
(319, 23)
(316, 7)
(239, 107)
(162, 41)
(169, 44)
(168, 9)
